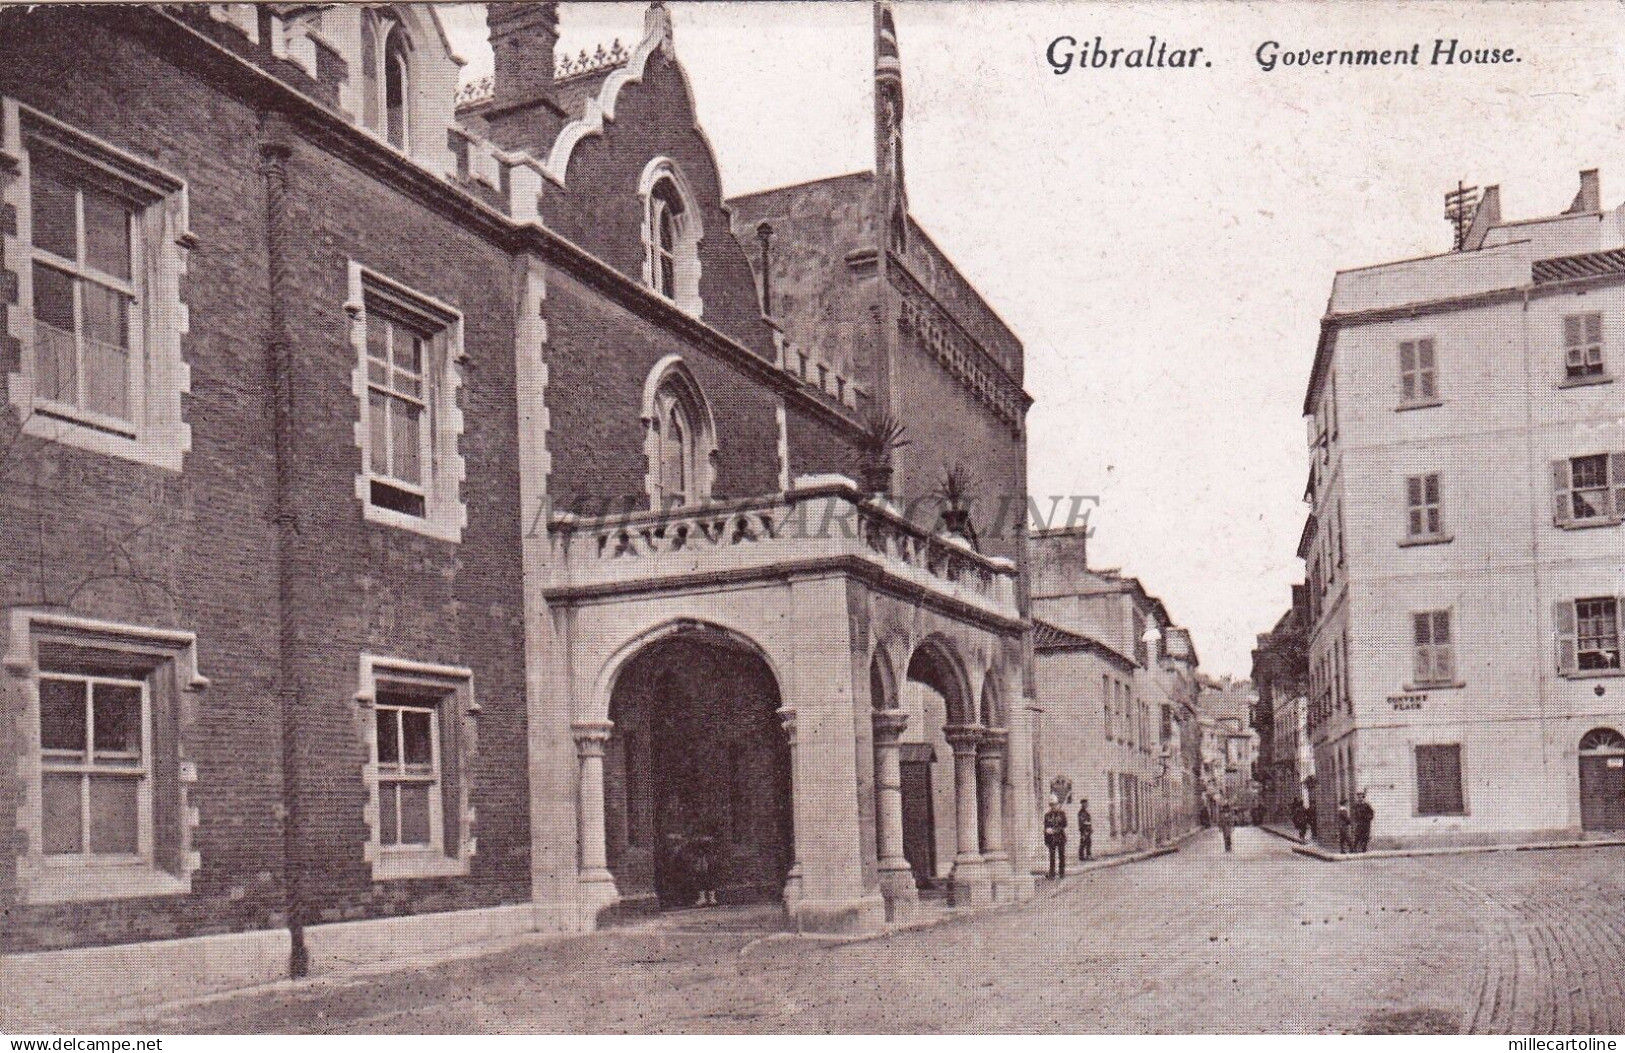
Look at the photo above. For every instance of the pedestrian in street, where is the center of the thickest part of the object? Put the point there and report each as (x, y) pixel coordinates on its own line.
(1300, 819)
(703, 868)
(1345, 827)
(1309, 817)
(1362, 815)
(1086, 832)
(1227, 826)
(1055, 836)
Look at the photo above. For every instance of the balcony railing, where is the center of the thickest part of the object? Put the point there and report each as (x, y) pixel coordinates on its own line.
(822, 521)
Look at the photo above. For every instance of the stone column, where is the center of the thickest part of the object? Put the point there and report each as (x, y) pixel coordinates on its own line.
(792, 881)
(969, 880)
(990, 769)
(896, 876)
(597, 885)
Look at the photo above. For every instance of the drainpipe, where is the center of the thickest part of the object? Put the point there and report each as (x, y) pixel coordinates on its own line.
(275, 150)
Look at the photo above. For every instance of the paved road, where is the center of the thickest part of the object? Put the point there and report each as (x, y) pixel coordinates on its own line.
(1257, 941)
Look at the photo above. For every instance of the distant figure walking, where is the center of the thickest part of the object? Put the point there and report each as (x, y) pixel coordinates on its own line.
(1227, 826)
(1362, 815)
(1309, 817)
(1055, 837)
(1086, 832)
(1345, 828)
(1300, 820)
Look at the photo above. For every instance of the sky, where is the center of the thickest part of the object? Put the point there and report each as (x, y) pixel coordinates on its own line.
(1162, 240)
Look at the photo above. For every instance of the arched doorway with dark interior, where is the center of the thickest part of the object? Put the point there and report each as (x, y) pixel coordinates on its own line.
(934, 696)
(697, 775)
(1602, 781)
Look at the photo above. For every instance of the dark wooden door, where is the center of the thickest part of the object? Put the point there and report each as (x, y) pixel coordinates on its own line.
(919, 824)
(1602, 792)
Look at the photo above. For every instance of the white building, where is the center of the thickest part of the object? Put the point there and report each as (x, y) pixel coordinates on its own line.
(1465, 551)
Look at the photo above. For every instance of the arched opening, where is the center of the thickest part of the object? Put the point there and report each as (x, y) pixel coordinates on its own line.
(933, 696)
(397, 114)
(671, 235)
(697, 775)
(1602, 780)
(680, 436)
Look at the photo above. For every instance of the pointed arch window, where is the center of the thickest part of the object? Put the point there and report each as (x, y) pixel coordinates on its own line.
(671, 236)
(386, 77)
(679, 437)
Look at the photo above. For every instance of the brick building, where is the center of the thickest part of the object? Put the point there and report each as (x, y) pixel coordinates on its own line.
(419, 522)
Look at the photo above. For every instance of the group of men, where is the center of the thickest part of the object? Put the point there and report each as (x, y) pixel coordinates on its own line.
(1354, 819)
(1055, 835)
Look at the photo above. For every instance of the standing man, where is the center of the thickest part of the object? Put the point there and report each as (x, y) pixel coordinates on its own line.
(1227, 826)
(1086, 832)
(1055, 836)
(1362, 815)
(1345, 828)
(1300, 819)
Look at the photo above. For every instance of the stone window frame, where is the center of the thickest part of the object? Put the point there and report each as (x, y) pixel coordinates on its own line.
(672, 372)
(158, 436)
(689, 231)
(445, 515)
(172, 683)
(451, 691)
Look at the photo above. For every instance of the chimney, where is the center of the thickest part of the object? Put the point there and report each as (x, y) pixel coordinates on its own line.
(1589, 199)
(523, 39)
(1485, 216)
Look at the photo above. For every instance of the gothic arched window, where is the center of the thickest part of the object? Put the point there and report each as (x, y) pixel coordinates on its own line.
(396, 84)
(679, 437)
(671, 236)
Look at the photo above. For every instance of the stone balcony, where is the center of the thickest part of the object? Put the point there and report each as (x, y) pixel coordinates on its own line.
(823, 524)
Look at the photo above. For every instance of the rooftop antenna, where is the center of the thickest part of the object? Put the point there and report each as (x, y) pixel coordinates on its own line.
(1459, 206)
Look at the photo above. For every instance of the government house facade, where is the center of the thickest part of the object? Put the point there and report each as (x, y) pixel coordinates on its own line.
(429, 516)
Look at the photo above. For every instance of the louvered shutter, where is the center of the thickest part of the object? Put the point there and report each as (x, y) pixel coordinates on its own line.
(1593, 328)
(1407, 369)
(1573, 330)
(1427, 385)
(1616, 479)
(1562, 501)
(1566, 633)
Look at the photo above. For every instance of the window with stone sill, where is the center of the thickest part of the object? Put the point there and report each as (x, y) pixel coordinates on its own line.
(420, 741)
(1588, 490)
(1418, 373)
(1424, 511)
(1583, 348)
(1433, 650)
(96, 258)
(672, 231)
(104, 805)
(1588, 633)
(407, 379)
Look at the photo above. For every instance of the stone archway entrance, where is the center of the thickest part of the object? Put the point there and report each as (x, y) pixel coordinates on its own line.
(697, 776)
(1602, 780)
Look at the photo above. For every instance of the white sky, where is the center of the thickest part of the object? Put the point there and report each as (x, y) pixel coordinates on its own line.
(1162, 240)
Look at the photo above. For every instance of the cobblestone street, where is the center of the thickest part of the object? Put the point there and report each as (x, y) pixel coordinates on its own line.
(1263, 940)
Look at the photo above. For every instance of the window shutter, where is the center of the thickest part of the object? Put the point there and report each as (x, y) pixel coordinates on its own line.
(1572, 332)
(1616, 478)
(1593, 328)
(1562, 505)
(1566, 633)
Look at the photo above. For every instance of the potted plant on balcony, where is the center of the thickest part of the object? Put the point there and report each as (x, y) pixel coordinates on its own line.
(883, 436)
(954, 493)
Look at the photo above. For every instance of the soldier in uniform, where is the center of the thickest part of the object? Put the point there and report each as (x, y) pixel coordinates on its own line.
(1086, 832)
(1055, 836)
